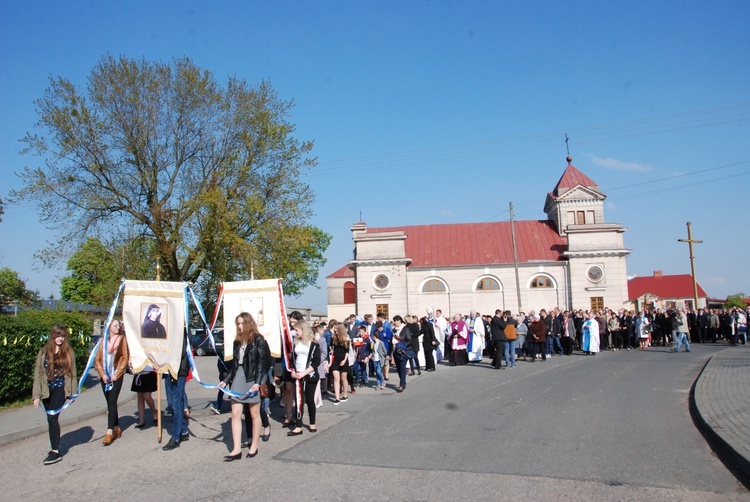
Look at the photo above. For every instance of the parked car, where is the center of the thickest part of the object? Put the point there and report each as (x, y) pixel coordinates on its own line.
(202, 345)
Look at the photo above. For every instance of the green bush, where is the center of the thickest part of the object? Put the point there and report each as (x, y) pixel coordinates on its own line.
(22, 336)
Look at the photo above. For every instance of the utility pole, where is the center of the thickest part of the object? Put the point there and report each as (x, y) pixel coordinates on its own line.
(515, 257)
(690, 242)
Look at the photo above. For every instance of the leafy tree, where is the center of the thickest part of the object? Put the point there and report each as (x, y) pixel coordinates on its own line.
(210, 173)
(96, 269)
(13, 290)
(735, 300)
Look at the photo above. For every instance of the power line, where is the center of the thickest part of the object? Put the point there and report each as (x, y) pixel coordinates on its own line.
(532, 142)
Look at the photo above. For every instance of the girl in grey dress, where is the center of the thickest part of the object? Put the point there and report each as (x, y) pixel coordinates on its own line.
(247, 373)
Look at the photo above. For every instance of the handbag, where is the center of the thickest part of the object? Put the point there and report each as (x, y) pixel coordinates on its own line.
(263, 389)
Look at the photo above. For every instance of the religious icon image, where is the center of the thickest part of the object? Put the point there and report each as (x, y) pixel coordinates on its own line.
(254, 307)
(152, 326)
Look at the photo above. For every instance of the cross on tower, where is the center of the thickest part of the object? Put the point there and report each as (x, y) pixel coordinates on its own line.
(690, 242)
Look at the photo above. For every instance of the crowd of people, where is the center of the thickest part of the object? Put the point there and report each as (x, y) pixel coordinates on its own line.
(335, 358)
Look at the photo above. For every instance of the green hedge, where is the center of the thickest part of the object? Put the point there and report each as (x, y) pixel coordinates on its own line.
(22, 336)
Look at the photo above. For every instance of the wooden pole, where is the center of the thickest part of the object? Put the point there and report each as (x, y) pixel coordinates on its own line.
(690, 242)
(158, 407)
(515, 256)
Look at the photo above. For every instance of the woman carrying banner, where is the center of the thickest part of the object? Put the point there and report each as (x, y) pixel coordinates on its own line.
(305, 362)
(245, 377)
(111, 369)
(54, 382)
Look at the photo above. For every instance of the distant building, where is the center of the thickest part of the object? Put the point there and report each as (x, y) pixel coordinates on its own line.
(664, 291)
(573, 259)
(310, 313)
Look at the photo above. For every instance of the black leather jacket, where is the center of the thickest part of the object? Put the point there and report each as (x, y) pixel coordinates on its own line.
(254, 362)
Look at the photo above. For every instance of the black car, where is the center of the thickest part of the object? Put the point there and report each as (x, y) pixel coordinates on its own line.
(202, 345)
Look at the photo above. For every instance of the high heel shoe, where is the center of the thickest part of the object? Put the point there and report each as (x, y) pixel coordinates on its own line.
(292, 433)
(266, 437)
(230, 458)
(140, 426)
(251, 455)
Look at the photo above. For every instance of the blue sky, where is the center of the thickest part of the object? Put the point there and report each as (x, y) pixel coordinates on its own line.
(443, 112)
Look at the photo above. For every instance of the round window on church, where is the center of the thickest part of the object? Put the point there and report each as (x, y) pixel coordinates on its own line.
(381, 281)
(595, 273)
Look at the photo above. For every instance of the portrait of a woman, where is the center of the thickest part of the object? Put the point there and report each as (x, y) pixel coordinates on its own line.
(152, 326)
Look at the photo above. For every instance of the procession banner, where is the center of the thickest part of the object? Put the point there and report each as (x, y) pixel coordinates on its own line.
(154, 315)
(261, 299)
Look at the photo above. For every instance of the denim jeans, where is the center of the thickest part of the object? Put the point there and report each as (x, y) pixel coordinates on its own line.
(682, 338)
(401, 367)
(379, 372)
(550, 345)
(360, 372)
(509, 347)
(185, 403)
(176, 401)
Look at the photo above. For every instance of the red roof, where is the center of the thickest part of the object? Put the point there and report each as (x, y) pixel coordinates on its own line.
(665, 286)
(571, 178)
(344, 271)
(479, 243)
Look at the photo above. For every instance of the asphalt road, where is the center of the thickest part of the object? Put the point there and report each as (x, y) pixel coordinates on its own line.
(615, 426)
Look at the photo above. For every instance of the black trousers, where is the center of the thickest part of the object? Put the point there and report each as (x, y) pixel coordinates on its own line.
(498, 359)
(308, 392)
(617, 339)
(429, 360)
(113, 418)
(55, 400)
(540, 347)
(567, 345)
(711, 334)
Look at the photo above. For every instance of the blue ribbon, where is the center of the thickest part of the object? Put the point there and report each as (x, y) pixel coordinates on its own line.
(92, 356)
(191, 360)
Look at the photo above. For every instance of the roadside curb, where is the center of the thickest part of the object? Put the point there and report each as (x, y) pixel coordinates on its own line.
(65, 421)
(700, 404)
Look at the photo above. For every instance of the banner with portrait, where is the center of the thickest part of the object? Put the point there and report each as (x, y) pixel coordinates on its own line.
(262, 299)
(154, 316)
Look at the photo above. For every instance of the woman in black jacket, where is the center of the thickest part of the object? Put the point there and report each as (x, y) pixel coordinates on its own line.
(429, 343)
(246, 375)
(413, 326)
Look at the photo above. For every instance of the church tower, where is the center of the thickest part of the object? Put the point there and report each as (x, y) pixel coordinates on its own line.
(596, 252)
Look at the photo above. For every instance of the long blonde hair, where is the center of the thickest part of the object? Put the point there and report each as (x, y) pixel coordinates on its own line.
(304, 333)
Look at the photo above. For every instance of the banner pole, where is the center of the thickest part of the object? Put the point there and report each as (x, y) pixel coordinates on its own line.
(158, 407)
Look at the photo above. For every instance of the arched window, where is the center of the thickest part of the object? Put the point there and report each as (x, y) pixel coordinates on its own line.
(433, 286)
(541, 281)
(350, 293)
(487, 284)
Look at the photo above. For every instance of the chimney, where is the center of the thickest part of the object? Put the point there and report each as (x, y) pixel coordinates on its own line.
(657, 273)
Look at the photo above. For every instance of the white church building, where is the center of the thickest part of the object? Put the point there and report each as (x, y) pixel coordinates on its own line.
(573, 259)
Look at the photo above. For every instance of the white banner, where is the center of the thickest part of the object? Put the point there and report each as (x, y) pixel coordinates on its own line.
(262, 300)
(154, 315)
